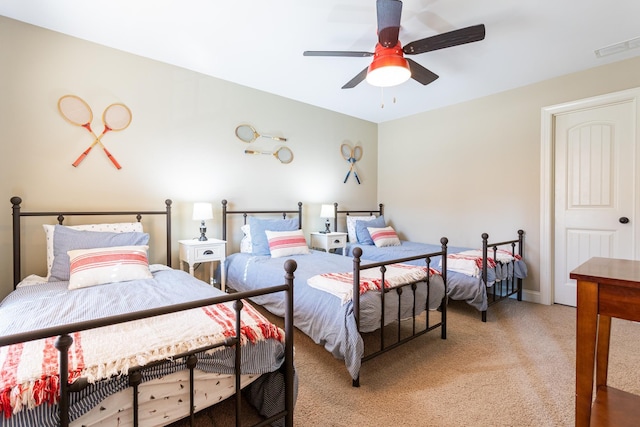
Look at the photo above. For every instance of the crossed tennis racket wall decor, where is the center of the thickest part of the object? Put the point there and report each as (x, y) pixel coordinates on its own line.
(351, 155)
(247, 133)
(75, 110)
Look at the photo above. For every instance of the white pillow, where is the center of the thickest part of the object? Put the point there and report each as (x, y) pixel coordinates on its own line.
(119, 227)
(90, 267)
(245, 244)
(351, 226)
(385, 236)
(285, 243)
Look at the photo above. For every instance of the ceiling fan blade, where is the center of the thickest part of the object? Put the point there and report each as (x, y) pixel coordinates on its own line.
(421, 74)
(356, 80)
(389, 14)
(452, 38)
(336, 53)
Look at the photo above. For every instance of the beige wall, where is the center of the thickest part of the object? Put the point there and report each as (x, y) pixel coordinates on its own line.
(484, 154)
(180, 144)
(485, 158)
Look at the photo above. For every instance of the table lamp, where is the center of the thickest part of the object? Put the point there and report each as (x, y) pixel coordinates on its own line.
(202, 212)
(327, 211)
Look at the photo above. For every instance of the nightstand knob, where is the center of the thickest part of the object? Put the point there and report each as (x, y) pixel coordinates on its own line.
(336, 241)
(207, 252)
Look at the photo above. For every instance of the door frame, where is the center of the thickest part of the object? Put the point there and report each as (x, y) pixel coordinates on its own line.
(547, 178)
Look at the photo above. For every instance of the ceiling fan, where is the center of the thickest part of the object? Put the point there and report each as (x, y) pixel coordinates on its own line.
(389, 66)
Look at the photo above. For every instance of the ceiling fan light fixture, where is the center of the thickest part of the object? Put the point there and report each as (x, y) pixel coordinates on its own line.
(388, 68)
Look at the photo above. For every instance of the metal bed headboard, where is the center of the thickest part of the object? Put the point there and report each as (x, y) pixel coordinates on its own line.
(60, 216)
(246, 213)
(379, 211)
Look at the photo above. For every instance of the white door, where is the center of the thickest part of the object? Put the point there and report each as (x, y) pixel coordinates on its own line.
(594, 189)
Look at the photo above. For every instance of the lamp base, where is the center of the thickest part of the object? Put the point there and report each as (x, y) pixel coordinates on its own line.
(203, 230)
(327, 226)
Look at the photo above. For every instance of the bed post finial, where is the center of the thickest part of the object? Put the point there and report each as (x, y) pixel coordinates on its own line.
(521, 243)
(15, 201)
(168, 203)
(224, 219)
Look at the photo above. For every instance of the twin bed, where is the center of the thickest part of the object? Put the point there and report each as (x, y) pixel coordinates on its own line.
(338, 300)
(480, 276)
(108, 339)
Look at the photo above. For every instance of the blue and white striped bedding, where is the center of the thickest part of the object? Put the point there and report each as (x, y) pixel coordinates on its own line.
(318, 314)
(460, 287)
(50, 304)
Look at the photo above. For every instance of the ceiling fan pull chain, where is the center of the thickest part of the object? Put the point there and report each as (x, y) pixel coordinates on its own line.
(381, 97)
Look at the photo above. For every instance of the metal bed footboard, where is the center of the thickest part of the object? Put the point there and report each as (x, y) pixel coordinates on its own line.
(509, 286)
(64, 341)
(416, 330)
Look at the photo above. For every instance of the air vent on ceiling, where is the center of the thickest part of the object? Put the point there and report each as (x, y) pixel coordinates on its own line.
(618, 47)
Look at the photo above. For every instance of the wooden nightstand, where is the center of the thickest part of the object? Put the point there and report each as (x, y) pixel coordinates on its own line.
(328, 241)
(212, 250)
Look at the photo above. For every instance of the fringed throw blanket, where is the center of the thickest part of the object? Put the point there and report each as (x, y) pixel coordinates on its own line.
(30, 370)
(341, 284)
(470, 262)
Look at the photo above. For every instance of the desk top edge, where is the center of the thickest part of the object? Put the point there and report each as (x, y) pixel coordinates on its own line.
(609, 271)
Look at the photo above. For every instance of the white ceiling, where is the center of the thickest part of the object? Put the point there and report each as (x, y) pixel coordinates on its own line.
(259, 43)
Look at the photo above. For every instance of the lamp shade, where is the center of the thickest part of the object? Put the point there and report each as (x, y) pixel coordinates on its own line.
(389, 67)
(327, 211)
(202, 211)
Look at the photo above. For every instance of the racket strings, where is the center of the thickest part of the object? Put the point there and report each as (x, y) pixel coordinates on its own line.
(75, 110)
(116, 117)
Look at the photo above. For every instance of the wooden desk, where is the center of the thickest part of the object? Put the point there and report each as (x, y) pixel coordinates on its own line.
(606, 288)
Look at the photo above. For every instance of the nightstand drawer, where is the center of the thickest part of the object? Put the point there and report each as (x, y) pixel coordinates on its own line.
(337, 241)
(208, 254)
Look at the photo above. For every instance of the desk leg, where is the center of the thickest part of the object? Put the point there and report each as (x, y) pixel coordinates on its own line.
(602, 353)
(586, 326)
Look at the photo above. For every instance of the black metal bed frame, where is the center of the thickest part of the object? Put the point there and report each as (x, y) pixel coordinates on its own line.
(416, 330)
(501, 289)
(64, 339)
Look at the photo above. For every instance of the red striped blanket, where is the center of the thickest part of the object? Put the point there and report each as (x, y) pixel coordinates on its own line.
(470, 262)
(30, 370)
(341, 284)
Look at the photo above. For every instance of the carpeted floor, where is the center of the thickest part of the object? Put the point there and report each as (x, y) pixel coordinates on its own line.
(518, 369)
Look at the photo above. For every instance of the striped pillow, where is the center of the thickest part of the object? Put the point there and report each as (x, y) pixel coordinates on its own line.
(89, 267)
(385, 236)
(285, 243)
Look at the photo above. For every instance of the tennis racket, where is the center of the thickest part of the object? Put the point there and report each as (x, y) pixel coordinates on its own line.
(247, 133)
(284, 154)
(352, 155)
(115, 117)
(77, 112)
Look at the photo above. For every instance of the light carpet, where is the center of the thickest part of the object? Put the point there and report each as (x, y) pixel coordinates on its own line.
(518, 369)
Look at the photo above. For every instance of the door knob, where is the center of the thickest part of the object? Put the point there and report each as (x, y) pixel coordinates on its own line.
(624, 220)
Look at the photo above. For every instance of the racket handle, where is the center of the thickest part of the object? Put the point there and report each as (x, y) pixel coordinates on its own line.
(346, 177)
(82, 156)
(356, 175)
(279, 138)
(113, 159)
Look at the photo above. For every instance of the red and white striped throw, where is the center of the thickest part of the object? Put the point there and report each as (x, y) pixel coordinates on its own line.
(341, 284)
(30, 370)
